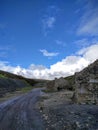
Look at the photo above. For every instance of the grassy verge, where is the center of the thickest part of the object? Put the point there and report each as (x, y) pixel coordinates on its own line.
(19, 92)
(48, 91)
(26, 89)
(2, 76)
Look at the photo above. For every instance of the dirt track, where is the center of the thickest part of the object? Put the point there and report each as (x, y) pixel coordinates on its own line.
(57, 113)
(20, 113)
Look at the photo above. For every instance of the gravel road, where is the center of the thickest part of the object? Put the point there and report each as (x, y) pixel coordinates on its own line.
(57, 113)
(20, 113)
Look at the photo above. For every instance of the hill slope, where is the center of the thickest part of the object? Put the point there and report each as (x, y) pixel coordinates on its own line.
(10, 82)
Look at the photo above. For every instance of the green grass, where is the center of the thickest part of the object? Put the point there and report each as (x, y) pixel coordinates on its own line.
(71, 80)
(26, 89)
(2, 76)
(16, 93)
(48, 91)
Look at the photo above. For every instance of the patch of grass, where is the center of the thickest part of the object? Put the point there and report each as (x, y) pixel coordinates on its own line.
(2, 76)
(71, 81)
(48, 91)
(26, 89)
(70, 78)
(16, 93)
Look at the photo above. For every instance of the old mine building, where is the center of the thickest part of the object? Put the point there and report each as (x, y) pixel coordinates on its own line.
(86, 83)
(57, 84)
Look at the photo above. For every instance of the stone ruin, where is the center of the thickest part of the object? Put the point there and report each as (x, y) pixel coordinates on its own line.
(86, 82)
(57, 84)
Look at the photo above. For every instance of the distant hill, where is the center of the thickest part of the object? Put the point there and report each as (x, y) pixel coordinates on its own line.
(10, 82)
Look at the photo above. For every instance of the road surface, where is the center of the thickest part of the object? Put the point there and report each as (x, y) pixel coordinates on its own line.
(20, 113)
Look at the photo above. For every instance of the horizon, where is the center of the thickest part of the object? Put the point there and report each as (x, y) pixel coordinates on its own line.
(48, 39)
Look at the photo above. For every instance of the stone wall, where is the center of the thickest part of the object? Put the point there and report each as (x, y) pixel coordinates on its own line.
(58, 84)
(86, 83)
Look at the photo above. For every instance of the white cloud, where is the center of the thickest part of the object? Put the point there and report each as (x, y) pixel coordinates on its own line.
(82, 42)
(48, 54)
(91, 53)
(59, 42)
(49, 18)
(89, 22)
(67, 66)
(49, 22)
(85, 42)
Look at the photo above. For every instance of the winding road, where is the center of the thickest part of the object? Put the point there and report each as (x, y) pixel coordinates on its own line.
(20, 113)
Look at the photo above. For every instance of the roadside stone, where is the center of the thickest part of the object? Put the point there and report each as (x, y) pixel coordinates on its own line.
(77, 124)
(45, 117)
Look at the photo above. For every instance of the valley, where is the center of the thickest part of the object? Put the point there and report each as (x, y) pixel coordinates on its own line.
(69, 103)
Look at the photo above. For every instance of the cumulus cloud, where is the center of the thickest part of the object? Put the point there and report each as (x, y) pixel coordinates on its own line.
(48, 54)
(67, 66)
(90, 53)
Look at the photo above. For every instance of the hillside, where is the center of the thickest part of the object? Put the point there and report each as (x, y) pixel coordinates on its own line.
(10, 82)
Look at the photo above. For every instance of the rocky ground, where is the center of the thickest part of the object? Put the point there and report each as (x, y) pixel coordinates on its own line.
(60, 113)
(47, 111)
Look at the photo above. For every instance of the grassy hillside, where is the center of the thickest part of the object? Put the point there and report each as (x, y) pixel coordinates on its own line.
(10, 83)
(4, 74)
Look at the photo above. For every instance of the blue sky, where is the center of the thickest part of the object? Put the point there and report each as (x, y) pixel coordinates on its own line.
(44, 33)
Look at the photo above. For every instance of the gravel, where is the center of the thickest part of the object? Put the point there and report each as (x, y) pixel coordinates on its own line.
(63, 114)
